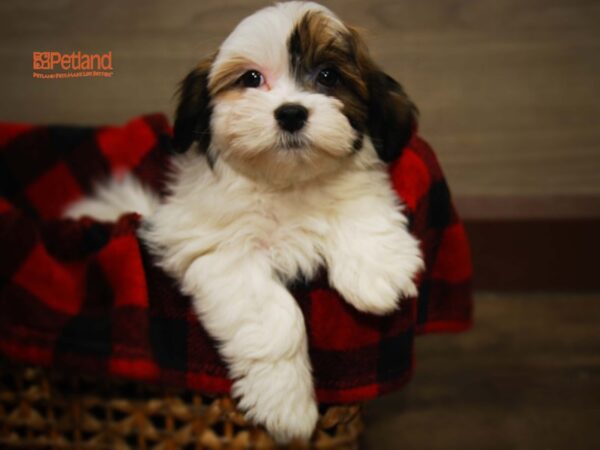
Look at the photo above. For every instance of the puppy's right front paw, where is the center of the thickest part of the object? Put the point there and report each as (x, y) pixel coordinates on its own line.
(279, 395)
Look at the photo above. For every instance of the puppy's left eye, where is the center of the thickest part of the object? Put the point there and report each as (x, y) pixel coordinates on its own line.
(252, 79)
(328, 77)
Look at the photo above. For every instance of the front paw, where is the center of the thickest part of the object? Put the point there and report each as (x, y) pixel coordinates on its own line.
(279, 395)
(377, 285)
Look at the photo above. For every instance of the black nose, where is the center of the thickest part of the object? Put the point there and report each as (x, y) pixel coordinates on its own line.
(291, 116)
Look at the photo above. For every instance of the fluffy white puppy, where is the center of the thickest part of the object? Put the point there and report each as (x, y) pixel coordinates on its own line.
(293, 124)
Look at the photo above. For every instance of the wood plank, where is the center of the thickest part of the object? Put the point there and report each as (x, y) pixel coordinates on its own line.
(520, 207)
(524, 378)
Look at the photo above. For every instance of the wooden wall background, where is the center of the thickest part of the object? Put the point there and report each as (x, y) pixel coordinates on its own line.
(509, 90)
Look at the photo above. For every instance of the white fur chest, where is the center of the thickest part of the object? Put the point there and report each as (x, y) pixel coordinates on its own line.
(214, 209)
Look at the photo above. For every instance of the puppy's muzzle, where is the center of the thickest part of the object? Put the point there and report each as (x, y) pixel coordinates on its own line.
(291, 117)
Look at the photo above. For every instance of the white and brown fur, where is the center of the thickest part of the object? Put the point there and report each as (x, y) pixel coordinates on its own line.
(254, 206)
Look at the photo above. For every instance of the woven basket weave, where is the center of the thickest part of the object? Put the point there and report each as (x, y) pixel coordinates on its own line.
(43, 409)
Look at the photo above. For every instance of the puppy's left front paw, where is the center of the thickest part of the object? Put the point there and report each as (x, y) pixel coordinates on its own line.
(376, 286)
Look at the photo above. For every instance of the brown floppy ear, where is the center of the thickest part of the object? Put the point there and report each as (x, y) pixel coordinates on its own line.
(392, 116)
(192, 118)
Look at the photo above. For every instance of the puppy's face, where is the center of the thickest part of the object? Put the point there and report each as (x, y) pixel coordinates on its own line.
(291, 94)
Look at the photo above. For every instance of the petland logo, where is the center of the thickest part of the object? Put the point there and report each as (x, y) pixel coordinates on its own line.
(72, 65)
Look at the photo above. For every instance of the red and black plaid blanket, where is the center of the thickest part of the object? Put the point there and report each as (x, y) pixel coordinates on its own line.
(85, 296)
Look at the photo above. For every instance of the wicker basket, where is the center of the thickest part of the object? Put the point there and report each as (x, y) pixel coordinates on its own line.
(43, 409)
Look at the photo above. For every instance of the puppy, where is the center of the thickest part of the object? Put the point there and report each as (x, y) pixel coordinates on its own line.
(292, 124)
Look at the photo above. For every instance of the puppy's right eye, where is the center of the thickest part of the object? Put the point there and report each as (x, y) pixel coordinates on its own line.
(252, 79)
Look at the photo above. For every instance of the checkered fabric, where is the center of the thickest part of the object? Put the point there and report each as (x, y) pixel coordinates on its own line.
(84, 295)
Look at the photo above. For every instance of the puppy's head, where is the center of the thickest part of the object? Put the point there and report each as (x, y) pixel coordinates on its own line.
(291, 94)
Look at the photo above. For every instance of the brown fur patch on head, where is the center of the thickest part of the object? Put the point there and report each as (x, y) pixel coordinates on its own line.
(227, 75)
(372, 101)
(321, 42)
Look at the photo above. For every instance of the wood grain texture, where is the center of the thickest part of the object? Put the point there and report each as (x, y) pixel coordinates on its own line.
(508, 90)
(524, 378)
